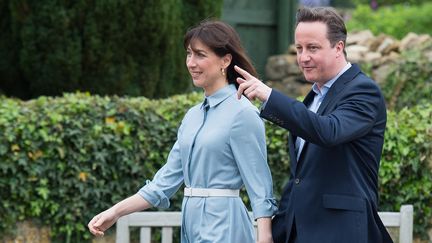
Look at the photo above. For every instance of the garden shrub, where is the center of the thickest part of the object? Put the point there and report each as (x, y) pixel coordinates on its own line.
(410, 82)
(121, 47)
(396, 20)
(390, 2)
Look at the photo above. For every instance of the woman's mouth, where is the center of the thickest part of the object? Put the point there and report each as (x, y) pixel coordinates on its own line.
(195, 74)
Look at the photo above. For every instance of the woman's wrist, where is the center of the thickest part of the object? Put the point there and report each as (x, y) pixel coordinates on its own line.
(264, 230)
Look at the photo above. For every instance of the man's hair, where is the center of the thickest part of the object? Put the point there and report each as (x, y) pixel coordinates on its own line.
(336, 30)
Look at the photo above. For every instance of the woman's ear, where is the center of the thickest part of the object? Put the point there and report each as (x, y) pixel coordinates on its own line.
(226, 60)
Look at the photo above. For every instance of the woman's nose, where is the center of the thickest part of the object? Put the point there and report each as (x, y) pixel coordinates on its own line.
(190, 62)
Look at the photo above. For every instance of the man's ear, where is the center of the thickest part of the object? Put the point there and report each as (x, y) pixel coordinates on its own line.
(339, 48)
(226, 60)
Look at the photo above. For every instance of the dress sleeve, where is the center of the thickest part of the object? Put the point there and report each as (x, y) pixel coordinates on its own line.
(166, 181)
(248, 144)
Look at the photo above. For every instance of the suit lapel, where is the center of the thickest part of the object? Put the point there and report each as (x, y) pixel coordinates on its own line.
(338, 86)
(291, 150)
(309, 98)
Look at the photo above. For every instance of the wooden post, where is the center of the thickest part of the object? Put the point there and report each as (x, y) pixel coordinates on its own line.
(285, 21)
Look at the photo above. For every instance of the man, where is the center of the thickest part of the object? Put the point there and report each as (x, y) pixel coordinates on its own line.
(336, 139)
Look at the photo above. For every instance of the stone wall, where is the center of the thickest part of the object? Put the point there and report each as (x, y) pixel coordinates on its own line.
(29, 232)
(378, 52)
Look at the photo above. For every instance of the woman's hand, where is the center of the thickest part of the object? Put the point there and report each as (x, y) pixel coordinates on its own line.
(101, 222)
(264, 230)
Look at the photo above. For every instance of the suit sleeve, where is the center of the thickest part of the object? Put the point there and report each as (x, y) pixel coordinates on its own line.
(356, 110)
(248, 144)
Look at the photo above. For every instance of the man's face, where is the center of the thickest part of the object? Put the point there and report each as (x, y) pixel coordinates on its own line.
(315, 56)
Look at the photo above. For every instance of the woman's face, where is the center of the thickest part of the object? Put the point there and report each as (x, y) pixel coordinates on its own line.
(205, 67)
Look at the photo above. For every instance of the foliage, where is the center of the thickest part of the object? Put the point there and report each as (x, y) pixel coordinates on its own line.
(410, 83)
(397, 20)
(65, 159)
(389, 2)
(405, 173)
(125, 47)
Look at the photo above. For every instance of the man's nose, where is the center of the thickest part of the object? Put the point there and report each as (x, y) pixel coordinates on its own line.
(304, 57)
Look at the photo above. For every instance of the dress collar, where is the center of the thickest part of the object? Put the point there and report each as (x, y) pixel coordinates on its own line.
(220, 95)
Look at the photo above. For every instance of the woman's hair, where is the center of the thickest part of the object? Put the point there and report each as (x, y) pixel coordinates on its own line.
(222, 39)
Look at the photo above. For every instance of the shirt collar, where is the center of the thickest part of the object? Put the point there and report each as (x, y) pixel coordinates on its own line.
(220, 95)
(325, 88)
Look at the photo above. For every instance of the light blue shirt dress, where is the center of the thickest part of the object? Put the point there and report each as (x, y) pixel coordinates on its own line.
(220, 145)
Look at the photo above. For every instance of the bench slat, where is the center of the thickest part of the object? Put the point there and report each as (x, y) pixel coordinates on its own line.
(167, 234)
(168, 220)
(145, 235)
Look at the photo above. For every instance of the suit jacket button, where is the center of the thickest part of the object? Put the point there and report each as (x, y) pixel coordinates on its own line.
(297, 181)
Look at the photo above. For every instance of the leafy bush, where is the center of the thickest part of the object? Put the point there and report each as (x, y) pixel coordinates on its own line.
(397, 20)
(390, 2)
(405, 173)
(65, 159)
(410, 83)
(123, 47)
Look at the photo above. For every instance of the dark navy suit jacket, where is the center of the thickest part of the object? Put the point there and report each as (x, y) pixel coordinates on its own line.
(333, 189)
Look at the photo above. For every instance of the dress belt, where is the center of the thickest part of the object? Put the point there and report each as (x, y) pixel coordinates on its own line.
(210, 192)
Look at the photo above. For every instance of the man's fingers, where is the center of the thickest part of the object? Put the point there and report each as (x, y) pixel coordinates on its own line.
(242, 72)
(240, 80)
(248, 92)
(251, 94)
(241, 88)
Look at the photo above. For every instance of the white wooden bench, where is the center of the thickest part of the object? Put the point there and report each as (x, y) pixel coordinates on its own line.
(168, 220)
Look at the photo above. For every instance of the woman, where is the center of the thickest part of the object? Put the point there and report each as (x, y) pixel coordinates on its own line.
(220, 147)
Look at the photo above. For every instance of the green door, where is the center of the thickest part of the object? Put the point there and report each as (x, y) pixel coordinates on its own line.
(265, 27)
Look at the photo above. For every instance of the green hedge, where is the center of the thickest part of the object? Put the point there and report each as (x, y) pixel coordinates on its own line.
(65, 159)
(390, 2)
(122, 47)
(406, 165)
(397, 20)
(410, 82)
